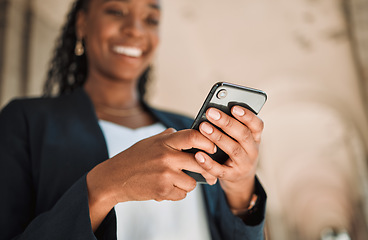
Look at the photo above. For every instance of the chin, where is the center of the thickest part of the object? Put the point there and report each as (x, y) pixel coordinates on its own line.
(125, 78)
(126, 75)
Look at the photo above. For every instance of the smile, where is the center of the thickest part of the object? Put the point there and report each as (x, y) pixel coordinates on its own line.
(128, 51)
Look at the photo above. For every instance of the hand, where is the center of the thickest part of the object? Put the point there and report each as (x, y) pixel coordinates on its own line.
(237, 174)
(150, 169)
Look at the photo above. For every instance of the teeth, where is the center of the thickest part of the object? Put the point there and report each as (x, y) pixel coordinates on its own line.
(128, 51)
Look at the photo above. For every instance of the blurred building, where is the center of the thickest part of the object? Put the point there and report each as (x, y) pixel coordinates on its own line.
(311, 57)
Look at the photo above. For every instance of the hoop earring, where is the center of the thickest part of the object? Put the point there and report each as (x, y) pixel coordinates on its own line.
(79, 49)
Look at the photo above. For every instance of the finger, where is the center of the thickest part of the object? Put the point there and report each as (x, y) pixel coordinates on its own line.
(184, 182)
(187, 161)
(175, 194)
(178, 194)
(189, 138)
(246, 148)
(233, 128)
(230, 125)
(168, 131)
(211, 166)
(171, 185)
(252, 121)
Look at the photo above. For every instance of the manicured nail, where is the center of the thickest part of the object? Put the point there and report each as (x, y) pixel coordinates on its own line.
(238, 111)
(214, 114)
(200, 158)
(207, 128)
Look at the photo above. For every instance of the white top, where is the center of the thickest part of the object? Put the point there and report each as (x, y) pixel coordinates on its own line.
(151, 220)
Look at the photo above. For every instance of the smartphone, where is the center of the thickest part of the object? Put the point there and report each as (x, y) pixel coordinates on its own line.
(224, 96)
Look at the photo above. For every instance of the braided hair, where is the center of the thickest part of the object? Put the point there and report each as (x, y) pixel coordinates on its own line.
(68, 71)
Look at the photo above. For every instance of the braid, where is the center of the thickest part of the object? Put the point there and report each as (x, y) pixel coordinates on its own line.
(68, 71)
(142, 83)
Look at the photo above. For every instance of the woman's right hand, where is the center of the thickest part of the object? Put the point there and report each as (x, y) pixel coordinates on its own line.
(149, 170)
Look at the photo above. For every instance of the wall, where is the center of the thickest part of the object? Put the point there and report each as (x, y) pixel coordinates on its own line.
(313, 160)
(300, 53)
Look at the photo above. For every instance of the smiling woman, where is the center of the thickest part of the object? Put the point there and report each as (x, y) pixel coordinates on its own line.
(95, 161)
(120, 38)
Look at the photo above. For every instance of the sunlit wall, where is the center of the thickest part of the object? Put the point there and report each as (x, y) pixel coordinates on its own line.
(313, 160)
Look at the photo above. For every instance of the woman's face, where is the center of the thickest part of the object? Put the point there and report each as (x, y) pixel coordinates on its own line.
(120, 36)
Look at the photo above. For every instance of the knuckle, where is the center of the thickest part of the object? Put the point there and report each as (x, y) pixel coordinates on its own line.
(261, 125)
(258, 137)
(222, 174)
(237, 151)
(170, 130)
(246, 135)
(209, 167)
(162, 158)
(193, 137)
(165, 176)
(160, 191)
(219, 137)
(163, 191)
(228, 122)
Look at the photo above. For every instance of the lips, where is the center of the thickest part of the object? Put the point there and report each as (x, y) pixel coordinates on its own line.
(128, 51)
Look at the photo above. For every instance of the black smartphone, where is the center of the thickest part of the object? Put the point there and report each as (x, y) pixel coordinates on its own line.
(224, 96)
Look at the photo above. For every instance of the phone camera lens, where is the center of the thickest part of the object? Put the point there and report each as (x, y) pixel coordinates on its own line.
(221, 94)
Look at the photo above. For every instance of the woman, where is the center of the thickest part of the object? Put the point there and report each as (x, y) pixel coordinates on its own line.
(56, 181)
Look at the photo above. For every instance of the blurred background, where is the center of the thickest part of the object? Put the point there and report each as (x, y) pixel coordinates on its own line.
(310, 56)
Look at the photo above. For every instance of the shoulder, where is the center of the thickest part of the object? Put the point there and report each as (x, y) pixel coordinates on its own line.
(27, 113)
(28, 107)
(171, 119)
(19, 105)
(46, 105)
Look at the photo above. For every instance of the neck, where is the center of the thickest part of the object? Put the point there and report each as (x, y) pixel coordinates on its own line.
(122, 94)
(118, 102)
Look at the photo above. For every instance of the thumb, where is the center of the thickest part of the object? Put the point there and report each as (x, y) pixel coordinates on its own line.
(168, 131)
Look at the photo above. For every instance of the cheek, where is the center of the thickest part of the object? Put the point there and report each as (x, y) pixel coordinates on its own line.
(100, 30)
(97, 38)
(155, 40)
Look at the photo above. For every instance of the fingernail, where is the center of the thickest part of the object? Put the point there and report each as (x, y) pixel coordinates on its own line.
(207, 128)
(214, 114)
(200, 158)
(238, 111)
(215, 149)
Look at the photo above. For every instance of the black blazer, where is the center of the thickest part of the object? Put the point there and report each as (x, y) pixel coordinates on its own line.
(47, 146)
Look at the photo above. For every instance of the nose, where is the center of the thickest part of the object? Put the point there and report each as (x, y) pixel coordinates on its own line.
(133, 27)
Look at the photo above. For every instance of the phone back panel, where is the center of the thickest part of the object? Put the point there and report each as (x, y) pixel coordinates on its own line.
(250, 98)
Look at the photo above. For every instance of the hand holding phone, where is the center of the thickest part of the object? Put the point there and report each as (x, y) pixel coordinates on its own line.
(224, 96)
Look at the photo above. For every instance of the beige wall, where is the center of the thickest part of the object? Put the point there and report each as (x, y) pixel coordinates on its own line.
(299, 52)
(314, 152)
(11, 74)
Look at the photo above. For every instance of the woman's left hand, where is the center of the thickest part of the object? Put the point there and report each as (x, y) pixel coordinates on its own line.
(237, 174)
